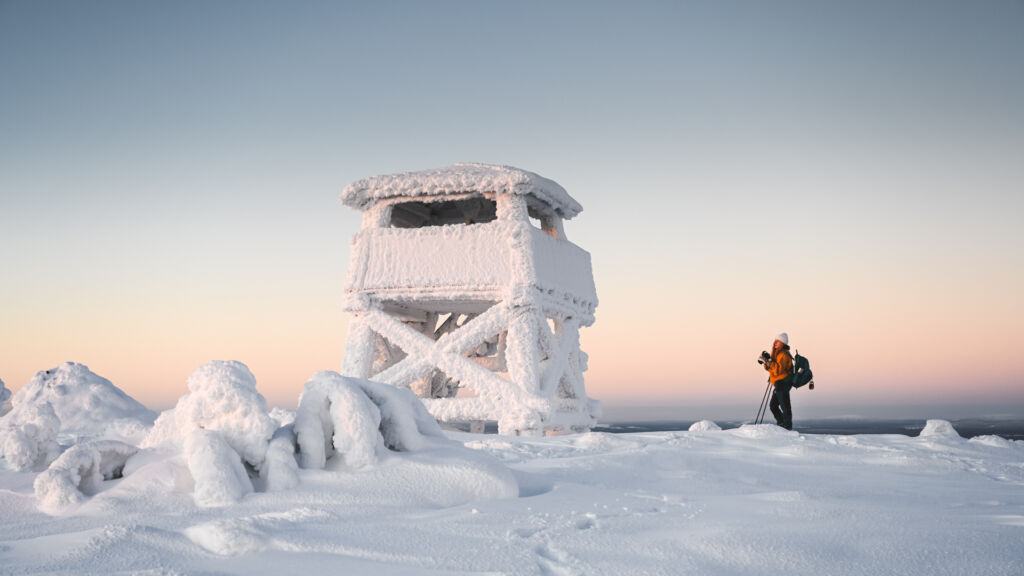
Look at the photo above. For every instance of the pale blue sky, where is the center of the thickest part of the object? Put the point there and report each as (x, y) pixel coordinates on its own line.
(169, 169)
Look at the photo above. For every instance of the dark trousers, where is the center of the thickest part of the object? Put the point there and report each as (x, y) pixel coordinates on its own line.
(780, 405)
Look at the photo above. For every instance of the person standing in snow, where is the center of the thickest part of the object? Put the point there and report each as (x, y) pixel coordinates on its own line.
(779, 365)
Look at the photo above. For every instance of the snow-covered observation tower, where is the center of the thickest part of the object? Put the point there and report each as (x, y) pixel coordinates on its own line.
(464, 288)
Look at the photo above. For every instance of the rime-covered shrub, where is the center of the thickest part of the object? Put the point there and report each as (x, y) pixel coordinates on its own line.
(357, 420)
(28, 436)
(220, 477)
(86, 405)
(224, 429)
(79, 473)
(222, 396)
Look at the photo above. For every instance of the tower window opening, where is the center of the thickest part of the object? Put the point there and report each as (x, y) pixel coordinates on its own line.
(543, 220)
(472, 210)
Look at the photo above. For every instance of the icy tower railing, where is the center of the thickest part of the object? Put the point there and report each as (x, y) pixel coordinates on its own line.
(464, 288)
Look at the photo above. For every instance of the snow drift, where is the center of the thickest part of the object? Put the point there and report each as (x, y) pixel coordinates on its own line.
(232, 446)
(224, 429)
(759, 500)
(220, 477)
(220, 443)
(85, 405)
(939, 429)
(79, 472)
(222, 397)
(359, 420)
(28, 436)
(351, 423)
(704, 426)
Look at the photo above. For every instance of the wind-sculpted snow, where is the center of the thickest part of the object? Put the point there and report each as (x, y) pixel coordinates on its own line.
(349, 423)
(280, 470)
(704, 426)
(86, 405)
(358, 420)
(406, 425)
(761, 431)
(224, 429)
(28, 436)
(336, 417)
(79, 473)
(220, 447)
(754, 500)
(219, 475)
(994, 441)
(223, 397)
(939, 429)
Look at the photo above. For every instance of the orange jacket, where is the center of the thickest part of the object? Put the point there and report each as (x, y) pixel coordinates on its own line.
(780, 366)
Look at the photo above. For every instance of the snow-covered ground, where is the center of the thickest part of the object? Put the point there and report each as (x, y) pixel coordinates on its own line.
(751, 500)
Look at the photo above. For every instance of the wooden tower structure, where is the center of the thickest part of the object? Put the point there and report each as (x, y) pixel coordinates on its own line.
(463, 287)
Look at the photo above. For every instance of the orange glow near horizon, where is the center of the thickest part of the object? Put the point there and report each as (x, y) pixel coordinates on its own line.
(919, 339)
(665, 365)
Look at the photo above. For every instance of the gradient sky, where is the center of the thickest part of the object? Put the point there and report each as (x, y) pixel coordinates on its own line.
(849, 172)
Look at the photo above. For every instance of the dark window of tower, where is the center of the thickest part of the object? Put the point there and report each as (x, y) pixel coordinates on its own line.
(472, 210)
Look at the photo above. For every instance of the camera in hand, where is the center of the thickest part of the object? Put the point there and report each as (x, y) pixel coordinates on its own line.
(765, 357)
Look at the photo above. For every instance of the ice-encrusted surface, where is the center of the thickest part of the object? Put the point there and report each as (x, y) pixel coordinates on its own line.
(460, 179)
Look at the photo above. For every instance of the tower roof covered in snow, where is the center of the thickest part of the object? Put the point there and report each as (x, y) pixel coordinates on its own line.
(461, 178)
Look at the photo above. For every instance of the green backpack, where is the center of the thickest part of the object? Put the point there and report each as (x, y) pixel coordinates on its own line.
(802, 372)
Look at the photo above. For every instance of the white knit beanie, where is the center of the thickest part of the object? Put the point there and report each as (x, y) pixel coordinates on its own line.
(784, 338)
